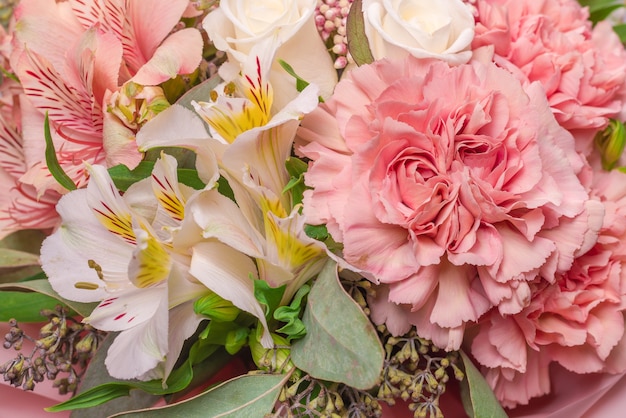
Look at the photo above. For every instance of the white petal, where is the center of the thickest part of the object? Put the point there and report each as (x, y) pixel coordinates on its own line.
(128, 309)
(229, 273)
(82, 238)
(140, 349)
(219, 217)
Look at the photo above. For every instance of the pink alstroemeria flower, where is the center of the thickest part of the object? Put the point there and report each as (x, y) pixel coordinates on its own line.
(97, 46)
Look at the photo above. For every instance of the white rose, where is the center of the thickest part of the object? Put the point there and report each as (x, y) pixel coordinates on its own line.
(237, 25)
(441, 29)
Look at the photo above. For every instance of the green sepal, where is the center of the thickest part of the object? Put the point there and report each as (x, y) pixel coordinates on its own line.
(269, 296)
(294, 327)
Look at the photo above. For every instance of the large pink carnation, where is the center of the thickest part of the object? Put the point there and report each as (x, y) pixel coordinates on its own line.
(582, 69)
(453, 185)
(578, 322)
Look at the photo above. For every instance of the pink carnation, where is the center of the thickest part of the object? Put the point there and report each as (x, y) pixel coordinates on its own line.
(453, 185)
(578, 322)
(582, 69)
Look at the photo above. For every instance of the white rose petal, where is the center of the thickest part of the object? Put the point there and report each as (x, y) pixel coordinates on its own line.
(425, 29)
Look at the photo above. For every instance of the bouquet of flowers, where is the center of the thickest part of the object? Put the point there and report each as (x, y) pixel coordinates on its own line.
(313, 208)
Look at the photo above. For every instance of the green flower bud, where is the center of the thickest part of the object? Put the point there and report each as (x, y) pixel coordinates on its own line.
(611, 143)
(216, 308)
(277, 358)
(236, 339)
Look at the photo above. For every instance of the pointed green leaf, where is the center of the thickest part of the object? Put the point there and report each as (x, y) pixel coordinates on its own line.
(14, 258)
(341, 344)
(28, 240)
(24, 306)
(249, 396)
(301, 83)
(358, 44)
(478, 398)
(52, 162)
(43, 287)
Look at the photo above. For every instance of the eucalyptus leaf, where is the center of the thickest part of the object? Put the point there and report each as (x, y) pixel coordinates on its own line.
(200, 93)
(13, 258)
(358, 44)
(43, 286)
(341, 344)
(17, 265)
(479, 400)
(28, 240)
(249, 396)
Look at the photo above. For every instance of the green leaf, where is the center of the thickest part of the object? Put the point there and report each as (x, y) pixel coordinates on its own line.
(296, 169)
(600, 9)
(51, 159)
(178, 380)
(478, 399)
(294, 327)
(249, 396)
(200, 93)
(621, 31)
(341, 344)
(17, 265)
(318, 232)
(301, 83)
(268, 296)
(28, 240)
(123, 178)
(24, 306)
(95, 375)
(15, 258)
(358, 44)
(43, 287)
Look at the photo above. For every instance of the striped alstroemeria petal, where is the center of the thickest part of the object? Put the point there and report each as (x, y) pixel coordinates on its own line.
(166, 188)
(108, 206)
(151, 262)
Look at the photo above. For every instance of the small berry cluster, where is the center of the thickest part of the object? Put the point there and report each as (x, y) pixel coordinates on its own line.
(330, 19)
(64, 346)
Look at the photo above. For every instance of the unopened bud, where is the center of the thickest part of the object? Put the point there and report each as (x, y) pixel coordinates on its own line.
(216, 308)
(611, 142)
(277, 358)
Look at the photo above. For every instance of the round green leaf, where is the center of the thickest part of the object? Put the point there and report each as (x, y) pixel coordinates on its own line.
(341, 344)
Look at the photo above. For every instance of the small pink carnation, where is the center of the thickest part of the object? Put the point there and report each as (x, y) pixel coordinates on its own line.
(577, 322)
(454, 186)
(582, 69)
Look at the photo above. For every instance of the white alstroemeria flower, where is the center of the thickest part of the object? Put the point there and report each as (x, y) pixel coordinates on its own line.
(287, 27)
(105, 251)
